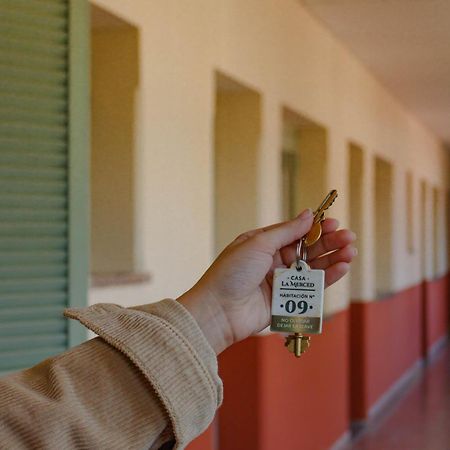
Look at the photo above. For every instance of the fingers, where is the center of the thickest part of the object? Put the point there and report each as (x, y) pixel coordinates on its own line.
(288, 253)
(336, 272)
(249, 234)
(329, 225)
(279, 228)
(276, 237)
(329, 242)
(345, 254)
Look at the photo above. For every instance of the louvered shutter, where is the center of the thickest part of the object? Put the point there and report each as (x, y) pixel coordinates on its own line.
(35, 180)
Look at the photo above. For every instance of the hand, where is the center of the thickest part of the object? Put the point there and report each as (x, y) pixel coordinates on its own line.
(233, 298)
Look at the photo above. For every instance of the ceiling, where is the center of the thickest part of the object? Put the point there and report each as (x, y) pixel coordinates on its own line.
(405, 44)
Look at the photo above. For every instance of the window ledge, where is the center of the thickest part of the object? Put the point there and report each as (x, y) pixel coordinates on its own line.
(118, 279)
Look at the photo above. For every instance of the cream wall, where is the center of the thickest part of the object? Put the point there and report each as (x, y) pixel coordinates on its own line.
(277, 48)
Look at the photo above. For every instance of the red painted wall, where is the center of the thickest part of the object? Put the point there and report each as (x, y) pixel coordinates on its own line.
(437, 309)
(386, 341)
(358, 366)
(387, 338)
(393, 340)
(239, 423)
(275, 401)
(205, 441)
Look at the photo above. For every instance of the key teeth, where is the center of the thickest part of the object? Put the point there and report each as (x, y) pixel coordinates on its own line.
(334, 199)
(297, 344)
(324, 206)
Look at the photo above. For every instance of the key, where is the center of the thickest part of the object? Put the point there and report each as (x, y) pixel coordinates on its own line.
(297, 291)
(297, 344)
(319, 214)
(297, 302)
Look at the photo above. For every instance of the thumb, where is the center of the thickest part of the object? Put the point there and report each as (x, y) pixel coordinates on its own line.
(286, 233)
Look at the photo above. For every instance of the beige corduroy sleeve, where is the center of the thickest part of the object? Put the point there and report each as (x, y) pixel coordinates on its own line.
(151, 377)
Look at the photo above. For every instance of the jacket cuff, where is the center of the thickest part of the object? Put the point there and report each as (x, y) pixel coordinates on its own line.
(164, 341)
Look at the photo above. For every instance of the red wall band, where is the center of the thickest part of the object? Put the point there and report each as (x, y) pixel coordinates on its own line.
(273, 400)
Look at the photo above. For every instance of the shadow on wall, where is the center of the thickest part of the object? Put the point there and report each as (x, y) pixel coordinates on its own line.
(304, 163)
(236, 148)
(114, 81)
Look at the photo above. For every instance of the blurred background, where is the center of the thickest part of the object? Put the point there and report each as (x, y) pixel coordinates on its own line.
(138, 138)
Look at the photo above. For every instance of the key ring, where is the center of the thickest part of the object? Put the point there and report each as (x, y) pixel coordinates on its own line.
(301, 253)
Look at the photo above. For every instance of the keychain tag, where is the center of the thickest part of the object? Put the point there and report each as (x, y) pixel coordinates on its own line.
(297, 299)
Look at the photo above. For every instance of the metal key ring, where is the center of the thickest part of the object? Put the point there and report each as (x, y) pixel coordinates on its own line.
(301, 253)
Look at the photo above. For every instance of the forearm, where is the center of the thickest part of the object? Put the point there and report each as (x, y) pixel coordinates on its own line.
(210, 317)
(88, 397)
(150, 377)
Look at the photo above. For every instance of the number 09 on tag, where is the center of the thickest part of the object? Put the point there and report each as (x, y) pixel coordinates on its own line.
(297, 299)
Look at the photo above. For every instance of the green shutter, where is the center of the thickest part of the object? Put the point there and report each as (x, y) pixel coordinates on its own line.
(36, 181)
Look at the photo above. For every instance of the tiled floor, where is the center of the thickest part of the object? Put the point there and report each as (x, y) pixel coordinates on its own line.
(419, 420)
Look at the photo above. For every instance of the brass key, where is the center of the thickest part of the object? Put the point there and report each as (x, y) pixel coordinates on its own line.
(297, 344)
(319, 214)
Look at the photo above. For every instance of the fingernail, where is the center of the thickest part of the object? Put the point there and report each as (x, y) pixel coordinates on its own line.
(353, 235)
(305, 214)
(355, 251)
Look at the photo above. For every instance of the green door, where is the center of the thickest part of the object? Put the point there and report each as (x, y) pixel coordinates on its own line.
(44, 144)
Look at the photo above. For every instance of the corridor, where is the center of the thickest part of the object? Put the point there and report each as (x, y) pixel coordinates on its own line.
(139, 138)
(419, 418)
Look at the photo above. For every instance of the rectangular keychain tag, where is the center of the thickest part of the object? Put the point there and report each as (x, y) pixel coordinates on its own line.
(297, 299)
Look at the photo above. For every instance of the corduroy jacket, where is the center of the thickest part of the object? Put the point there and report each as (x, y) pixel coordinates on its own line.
(149, 379)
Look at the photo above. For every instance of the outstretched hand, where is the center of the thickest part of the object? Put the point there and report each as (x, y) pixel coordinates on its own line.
(232, 300)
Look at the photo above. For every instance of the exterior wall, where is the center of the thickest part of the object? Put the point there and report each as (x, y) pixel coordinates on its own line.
(272, 399)
(281, 52)
(389, 336)
(385, 342)
(436, 314)
(291, 60)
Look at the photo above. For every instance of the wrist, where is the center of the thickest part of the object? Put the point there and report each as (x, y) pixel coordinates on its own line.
(210, 317)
